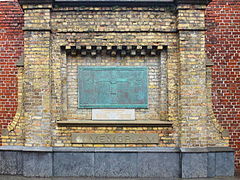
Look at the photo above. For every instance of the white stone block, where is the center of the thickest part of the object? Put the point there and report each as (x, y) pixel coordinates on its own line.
(113, 114)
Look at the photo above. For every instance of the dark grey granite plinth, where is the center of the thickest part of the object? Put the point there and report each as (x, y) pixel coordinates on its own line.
(194, 165)
(220, 162)
(117, 162)
(158, 165)
(37, 164)
(207, 162)
(73, 164)
(10, 162)
(224, 164)
(211, 164)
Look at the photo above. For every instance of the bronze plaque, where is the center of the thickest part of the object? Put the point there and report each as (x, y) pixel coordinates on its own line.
(112, 87)
(123, 138)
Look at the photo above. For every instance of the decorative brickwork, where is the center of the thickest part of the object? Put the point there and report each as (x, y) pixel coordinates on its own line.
(59, 39)
(11, 46)
(223, 49)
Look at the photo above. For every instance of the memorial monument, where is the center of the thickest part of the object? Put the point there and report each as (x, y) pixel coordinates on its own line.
(115, 89)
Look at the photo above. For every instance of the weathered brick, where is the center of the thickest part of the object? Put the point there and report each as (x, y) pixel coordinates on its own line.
(223, 49)
(11, 46)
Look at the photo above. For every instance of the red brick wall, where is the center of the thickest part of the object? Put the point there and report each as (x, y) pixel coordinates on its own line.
(11, 45)
(223, 48)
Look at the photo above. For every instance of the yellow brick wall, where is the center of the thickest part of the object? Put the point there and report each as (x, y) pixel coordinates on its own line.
(180, 30)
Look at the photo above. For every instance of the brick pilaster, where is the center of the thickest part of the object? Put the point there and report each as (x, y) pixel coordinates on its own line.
(193, 99)
(37, 63)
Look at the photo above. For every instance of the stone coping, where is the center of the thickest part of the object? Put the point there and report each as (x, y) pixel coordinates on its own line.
(80, 149)
(26, 148)
(114, 2)
(115, 123)
(206, 149)
(117, 150)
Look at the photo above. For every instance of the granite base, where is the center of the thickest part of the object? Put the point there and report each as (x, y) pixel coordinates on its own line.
(117, 162)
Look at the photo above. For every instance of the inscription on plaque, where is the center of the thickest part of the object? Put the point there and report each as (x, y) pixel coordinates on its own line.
(123, 138)
(113, 114)
(112, 87)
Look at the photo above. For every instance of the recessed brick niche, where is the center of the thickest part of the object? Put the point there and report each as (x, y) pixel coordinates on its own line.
(173, 133)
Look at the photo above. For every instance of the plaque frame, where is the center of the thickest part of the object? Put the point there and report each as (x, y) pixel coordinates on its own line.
(113, 106)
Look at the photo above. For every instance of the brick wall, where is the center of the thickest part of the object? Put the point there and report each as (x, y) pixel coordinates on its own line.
(223, 48)
(223, 37)
(11, 43)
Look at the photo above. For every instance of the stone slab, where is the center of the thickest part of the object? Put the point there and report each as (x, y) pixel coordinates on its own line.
(211, 164)
(158, 165)
(115, 138)
(37, 164)
(10, 162)
(194, 165)
(224, 164)
(115, 165)
(73, 164)
(113, 114)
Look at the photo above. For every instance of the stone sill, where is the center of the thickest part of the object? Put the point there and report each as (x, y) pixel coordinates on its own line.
(92, 149)
(116, 149)
(115, 123)
(206, 149)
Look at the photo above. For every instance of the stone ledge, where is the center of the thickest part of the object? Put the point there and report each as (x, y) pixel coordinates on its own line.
(26, 148)
(94, 149)
(220, 149)
(145, 150)
(206, 149)
(36, 29)
(134, 149)
(116, 123)
(194, 150)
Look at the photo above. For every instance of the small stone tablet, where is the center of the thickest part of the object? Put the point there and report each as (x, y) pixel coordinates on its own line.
(113, 114)
(115, 138)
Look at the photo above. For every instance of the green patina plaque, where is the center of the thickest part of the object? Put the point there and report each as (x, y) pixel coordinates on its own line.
(112, 87)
